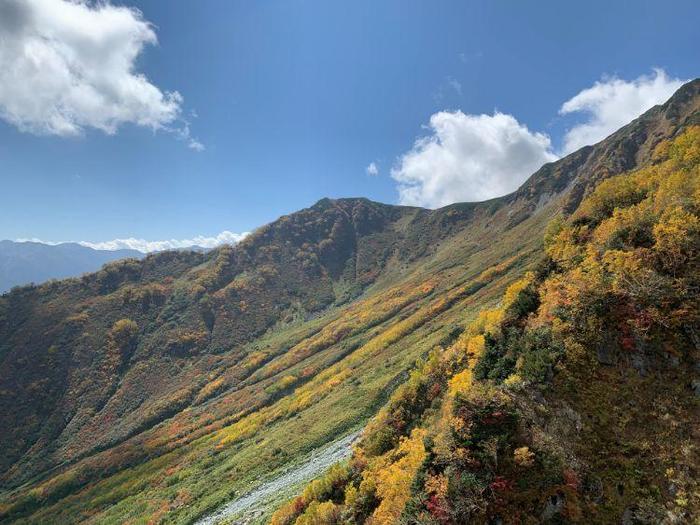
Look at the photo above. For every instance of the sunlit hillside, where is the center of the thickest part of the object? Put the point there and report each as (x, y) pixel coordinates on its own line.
(574, 401)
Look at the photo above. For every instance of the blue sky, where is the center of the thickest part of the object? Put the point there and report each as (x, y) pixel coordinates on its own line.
(291, 102)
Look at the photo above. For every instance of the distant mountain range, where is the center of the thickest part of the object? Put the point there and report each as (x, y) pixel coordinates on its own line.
(34, 262)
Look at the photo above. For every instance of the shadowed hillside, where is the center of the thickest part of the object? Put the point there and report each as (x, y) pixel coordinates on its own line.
(160, 389)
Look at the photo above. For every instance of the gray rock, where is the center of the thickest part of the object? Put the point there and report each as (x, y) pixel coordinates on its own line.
(695, 385)
(639, 363)
(628, 517)
(606, 353)
(555, 504)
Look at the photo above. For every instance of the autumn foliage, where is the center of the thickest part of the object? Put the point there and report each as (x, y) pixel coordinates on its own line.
(460, 442)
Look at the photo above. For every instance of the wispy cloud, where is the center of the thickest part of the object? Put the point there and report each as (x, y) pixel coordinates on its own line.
(372, 169)
(449, 88)
(195, 145)
(183, 133)
(465, 58)
(455, 84)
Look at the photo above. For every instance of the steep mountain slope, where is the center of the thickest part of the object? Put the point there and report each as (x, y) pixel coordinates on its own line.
(575, 401)
(22, 263)
(158, 389)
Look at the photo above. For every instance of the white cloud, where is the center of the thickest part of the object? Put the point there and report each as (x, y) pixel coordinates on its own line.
(465, 58)
(468, 158)
(372, 169)
(68, 65)
(34, 239)
(455, 84)
(449, 87)
(195, 145)
(611, 103)
(183, 133)
(142, 245)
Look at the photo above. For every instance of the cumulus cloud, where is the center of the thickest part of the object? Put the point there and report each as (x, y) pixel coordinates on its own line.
(142, 245)
(372, 169)
(611, 103)
(468, 158)
(68, 65)
(476, 157)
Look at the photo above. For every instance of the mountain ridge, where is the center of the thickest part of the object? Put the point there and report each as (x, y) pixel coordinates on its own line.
(574, 400)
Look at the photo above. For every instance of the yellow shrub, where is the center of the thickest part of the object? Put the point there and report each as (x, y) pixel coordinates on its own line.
(394, 474)
(523, 457)
(326, 513)
(676, 238)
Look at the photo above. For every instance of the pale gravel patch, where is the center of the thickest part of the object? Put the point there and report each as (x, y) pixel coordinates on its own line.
(251, 505)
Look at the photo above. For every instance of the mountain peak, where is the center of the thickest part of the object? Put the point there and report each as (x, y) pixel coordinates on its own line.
(327, 202)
